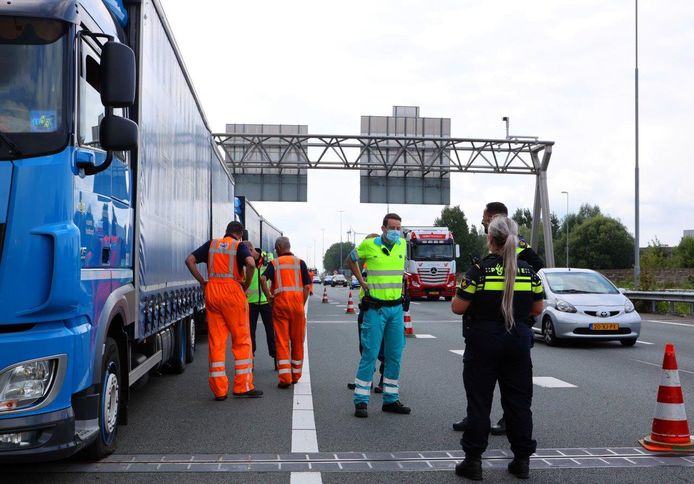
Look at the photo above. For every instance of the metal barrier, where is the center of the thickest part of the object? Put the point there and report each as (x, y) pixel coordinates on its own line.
(671, 297)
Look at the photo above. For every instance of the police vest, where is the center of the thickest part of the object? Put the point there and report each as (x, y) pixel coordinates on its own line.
(522, 245)
(221, 260)
(386, 269)
(287, 275)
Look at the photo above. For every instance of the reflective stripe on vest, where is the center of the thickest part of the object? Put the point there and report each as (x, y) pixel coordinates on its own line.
(287, 274)
(218, 250)
(386, 271)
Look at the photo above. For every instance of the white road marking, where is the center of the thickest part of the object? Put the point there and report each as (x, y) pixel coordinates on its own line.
(659, 365)
(551, 382)
(666, 322)
(425, 336)
(458, 352)
(304, 438)
(644, 342)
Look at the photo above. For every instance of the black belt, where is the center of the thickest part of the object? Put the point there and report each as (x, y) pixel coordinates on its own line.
(368, 302)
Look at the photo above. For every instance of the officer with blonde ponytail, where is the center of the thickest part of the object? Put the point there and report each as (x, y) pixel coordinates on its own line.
(497, 295)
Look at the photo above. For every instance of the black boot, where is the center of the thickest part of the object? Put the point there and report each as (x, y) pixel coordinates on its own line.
(360, 410)
(499, 428)
(520, 467)
(460, 426)
(471, 468)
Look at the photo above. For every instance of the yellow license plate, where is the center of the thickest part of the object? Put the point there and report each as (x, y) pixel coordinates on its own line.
(604, 326)
(434, 293)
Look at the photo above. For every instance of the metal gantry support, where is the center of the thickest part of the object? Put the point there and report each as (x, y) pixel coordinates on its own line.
(397, 155)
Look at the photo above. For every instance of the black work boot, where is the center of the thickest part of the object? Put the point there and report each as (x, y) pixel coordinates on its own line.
(460, 426)
(471, 468)
(520, 467)
(360, 410)
(396, 407)
(499, 428)
(255, 393)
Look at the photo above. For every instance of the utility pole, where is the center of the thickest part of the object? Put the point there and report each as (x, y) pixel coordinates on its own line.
(340, 240)
(567, 229)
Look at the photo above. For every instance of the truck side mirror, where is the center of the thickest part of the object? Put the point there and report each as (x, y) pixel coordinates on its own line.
(117, 134)
(117, 75)
(457, 251)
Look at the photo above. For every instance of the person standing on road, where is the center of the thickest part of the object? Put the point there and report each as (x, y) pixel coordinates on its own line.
(523, 252)
(290, 289)
(258, 304)
(360, 321)
(383, 315)
(497, 296)
(227, 309)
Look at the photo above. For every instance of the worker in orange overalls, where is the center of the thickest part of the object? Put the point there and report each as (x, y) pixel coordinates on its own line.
(310, 275)
(227, 309)
(290, 290)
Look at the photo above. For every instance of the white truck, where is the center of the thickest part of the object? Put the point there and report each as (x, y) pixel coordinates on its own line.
(430, 266)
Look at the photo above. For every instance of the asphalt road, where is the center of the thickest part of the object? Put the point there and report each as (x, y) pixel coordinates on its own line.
(178, 433)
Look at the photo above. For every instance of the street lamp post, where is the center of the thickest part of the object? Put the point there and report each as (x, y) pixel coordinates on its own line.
(567, 229)
(637, 254)
(323, 251)
(340, 240)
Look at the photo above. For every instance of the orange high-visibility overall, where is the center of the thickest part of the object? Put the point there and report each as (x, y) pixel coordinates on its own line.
(227, 312)
(288, 317)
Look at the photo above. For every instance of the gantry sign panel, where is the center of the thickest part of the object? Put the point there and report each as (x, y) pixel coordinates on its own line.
(397, 172)
(274, 170)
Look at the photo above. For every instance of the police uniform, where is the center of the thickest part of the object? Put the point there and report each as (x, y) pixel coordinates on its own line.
(526, 253)
(494, 354)
(258, 306)
(383, 318)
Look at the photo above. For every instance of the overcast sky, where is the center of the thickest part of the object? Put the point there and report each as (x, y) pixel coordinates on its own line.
(563, 71)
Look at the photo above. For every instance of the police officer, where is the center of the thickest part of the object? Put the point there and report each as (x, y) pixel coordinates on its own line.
(523, 252)
(497, 297)
(383, 315)
(258, 304)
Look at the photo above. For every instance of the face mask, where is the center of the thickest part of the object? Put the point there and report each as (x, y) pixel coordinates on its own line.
(393, 235)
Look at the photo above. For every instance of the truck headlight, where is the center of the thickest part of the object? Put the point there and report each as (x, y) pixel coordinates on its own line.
(26, 383)
(565, 307)
(628, 306)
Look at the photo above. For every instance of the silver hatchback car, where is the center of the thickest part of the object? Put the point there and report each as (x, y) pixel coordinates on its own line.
(584, 304)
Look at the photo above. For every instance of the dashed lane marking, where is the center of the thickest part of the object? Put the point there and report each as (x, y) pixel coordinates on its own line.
(425, 336)
(309, 465)
(659, 365)
(644, 342)
(672, 323)
(458, 352)
(551, 382)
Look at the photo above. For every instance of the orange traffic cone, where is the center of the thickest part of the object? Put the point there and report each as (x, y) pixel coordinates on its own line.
(409, 331)
(670, 431)
(350, 304)
(325, 295)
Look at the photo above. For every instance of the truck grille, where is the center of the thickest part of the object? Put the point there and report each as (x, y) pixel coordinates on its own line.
(439, 278)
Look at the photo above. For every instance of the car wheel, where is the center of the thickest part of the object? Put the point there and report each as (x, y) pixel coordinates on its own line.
(628, 342)
(548, 332)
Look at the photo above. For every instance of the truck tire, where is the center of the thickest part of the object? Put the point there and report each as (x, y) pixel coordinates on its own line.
(449, 298)
(190, 339)
(178, 358)
(109, 404)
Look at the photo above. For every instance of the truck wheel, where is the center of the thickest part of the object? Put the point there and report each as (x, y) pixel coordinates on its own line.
(178, 359)
(190, 339)
(449, 298)
(109, 404)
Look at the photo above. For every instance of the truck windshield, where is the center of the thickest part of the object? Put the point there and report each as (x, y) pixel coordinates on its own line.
(433, 252)
(32, 84)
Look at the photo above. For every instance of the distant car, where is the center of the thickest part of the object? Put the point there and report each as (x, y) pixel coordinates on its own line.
(355, 283)
(328, 281)
(584, 304)
(316, 280)
(339, 280)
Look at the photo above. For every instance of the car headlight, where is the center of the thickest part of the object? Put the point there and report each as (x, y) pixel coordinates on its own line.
(24, 384)
(565, 307)
(628, 306)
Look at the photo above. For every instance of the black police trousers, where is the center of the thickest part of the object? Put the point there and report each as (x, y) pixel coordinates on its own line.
(493, 354)
(265, 312)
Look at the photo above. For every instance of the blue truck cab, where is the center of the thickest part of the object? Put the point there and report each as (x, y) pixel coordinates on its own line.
(105, 187)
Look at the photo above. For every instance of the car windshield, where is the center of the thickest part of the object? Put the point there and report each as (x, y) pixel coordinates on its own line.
(32, 84)
(579, 283)
(433, 251)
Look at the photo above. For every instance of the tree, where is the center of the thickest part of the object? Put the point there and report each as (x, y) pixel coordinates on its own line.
(523, 217)
(331, 260)
(454, 218)
(684, 252)
(655, 256)
(601, 242)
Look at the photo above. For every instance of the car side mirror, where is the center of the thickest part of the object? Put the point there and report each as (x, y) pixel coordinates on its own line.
(117, 75)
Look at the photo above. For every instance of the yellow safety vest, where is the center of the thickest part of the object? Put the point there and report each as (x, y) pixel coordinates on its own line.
(385, 271)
